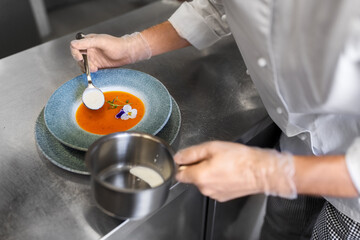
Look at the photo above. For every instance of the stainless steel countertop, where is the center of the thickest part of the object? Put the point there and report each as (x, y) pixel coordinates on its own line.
(41, 201)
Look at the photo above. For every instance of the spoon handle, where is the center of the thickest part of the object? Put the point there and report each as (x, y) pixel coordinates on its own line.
(87, 70)
(78, 36)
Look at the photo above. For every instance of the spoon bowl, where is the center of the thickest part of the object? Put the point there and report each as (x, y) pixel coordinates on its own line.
(93, 98)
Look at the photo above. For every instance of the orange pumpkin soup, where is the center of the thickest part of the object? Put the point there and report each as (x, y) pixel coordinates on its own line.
(117, 114)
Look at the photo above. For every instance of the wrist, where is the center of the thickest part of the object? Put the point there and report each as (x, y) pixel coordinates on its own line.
(137, 47)
(278, 174)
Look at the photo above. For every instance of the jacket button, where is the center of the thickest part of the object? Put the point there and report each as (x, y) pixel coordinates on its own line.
(262, 62)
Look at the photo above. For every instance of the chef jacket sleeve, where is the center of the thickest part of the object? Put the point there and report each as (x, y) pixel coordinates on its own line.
(353, 162)
(200, 22)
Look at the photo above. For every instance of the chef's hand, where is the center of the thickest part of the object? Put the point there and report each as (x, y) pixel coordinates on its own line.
(226, 170)
(106, 51)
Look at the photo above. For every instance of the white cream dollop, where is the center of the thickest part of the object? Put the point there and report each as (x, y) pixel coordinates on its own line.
(148, 175)
(93, 98)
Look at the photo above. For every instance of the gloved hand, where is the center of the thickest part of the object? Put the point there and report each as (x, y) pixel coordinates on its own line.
(225, 170)
(106, 51)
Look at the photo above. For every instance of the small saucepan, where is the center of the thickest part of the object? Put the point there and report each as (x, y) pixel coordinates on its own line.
(131, 173)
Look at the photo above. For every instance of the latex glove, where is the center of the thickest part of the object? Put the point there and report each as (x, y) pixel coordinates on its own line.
(106, 51)
(225, 170)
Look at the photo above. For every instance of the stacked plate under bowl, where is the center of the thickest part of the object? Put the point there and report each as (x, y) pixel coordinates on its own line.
(61, 140)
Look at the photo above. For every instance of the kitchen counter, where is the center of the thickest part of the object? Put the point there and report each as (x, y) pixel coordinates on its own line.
(38, 200)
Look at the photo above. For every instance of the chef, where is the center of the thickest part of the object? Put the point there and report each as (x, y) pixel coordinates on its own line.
(304, 59)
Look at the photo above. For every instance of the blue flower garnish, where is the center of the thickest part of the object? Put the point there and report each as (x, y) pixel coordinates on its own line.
(126, 112)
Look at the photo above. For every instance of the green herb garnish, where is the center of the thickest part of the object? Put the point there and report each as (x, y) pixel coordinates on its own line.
(114, 105)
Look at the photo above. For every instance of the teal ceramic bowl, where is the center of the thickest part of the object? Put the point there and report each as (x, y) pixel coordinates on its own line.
(61, 108)
(74, 160)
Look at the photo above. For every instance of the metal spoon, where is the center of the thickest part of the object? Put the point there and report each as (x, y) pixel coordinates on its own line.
(92, 97)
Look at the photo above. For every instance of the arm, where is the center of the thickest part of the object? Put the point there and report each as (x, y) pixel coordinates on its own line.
(199, 22)
(225, 170)
(106, 51)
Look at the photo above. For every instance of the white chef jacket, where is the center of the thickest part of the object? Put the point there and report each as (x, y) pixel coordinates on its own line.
(304, 59)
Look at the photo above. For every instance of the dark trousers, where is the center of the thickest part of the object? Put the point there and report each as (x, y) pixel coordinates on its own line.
(290, 219)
